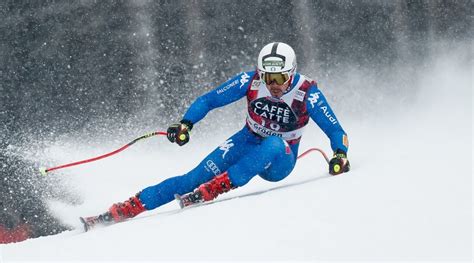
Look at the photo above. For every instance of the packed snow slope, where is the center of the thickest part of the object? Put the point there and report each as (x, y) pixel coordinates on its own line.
(408, 196)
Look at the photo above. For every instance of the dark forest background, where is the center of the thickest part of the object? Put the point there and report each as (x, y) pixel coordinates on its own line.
(78, 68)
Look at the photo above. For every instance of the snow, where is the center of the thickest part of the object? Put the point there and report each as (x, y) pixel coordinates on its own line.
(408, 196)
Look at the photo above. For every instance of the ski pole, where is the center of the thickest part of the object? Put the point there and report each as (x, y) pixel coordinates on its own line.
(44, 171)
(314, 149)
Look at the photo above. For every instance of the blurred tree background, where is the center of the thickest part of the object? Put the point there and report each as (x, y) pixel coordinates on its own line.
(69, 68)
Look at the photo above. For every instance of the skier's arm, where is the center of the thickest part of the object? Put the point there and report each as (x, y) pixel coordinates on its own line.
(322, 114)
(228, 92)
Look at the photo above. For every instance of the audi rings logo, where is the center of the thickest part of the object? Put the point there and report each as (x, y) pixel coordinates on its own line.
(211, 166)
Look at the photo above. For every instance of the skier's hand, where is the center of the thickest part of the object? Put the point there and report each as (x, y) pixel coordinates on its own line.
(179, 132)
(339, 163)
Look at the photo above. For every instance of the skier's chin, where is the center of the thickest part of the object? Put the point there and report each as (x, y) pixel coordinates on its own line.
(276, 93)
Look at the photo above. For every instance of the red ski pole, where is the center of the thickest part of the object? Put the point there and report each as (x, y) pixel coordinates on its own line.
(314, 149)
(44, 171)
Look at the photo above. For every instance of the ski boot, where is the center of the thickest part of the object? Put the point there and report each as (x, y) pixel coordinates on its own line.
(117, 213)
(206, 192)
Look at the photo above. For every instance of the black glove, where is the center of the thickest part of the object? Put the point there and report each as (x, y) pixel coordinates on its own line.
(179, 132)
(339, 163)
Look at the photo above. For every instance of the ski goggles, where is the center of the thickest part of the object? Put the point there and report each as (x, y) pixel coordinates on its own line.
(279, 78)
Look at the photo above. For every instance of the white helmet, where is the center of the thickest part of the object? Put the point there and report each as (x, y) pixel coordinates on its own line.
(277, 57)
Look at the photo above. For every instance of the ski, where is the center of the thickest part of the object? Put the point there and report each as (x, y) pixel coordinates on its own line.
(187, 201)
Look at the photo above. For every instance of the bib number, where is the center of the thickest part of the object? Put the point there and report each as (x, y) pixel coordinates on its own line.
(273, 126)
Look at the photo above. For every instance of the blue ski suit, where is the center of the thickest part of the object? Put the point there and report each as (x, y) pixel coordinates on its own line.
(267, 145)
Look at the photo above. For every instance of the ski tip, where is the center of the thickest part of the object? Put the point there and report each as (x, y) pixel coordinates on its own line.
(84, 223)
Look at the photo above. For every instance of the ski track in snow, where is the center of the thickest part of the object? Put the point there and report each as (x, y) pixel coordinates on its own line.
(408, 196)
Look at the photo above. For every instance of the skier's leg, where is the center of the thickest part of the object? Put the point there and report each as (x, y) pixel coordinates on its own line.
(281, 167)
(214, 164)
(272, 159)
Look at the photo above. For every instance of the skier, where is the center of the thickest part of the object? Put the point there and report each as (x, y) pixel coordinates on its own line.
(280, 103)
